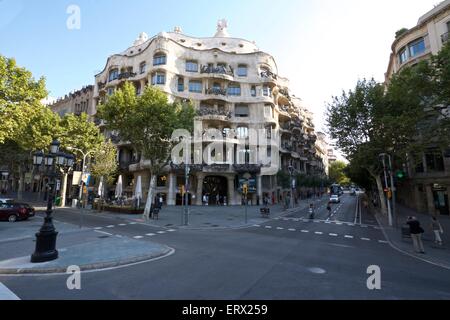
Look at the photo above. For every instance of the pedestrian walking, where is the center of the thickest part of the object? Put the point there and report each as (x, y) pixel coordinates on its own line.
(437, 229)
(311, 211)
(416, 234)
(329, 210)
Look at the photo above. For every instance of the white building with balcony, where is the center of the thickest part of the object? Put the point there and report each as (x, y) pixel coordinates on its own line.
(234, 86)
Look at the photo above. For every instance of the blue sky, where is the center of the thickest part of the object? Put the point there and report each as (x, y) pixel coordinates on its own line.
(323, 46)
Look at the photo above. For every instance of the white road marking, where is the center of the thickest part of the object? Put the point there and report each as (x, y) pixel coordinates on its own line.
(103, 232)
(382, 241)
(363, 226)
(292, 230)
(318, 232)
(138, 237)
(305, 231)
(133, 223)
(110, 226)
(161, 232)
(349, 237)
(365, 239)
(268, 227)
(150, 234)
(98, 228)
(333, 234)
(6, 294)
(171, 230)
(279, 228)
(122, 224)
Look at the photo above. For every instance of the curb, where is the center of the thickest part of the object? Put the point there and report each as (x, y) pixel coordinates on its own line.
(90, 267)
(393, 246)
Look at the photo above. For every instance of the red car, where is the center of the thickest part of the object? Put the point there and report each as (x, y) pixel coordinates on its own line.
(13, 212)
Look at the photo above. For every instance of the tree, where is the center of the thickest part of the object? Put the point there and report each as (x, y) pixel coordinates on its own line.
(147, 122)
(20, 96)
(105, 163)
(337, 173)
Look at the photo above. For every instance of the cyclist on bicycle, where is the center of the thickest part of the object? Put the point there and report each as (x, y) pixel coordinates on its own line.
(311, 211)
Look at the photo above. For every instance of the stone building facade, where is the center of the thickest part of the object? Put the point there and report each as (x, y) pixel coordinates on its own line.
(77, 102)
(428, 185)
(233, 86)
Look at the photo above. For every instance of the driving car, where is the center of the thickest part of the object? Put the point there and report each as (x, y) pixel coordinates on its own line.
(13, 212)
(335, 199)
(6, 200)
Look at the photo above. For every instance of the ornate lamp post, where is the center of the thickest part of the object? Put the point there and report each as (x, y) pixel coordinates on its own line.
(46, 237)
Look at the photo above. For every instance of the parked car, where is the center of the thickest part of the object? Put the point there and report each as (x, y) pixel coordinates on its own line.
(5, 201)
(13, 212)
(335, 199)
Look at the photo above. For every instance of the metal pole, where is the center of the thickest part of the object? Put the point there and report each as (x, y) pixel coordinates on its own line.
(387, 198)
(394, 191)
(186, 196)
(246, 203)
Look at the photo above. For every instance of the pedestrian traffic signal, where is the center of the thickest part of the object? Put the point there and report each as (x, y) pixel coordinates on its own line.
(400, 174)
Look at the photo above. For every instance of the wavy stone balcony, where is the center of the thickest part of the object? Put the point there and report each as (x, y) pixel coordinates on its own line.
(218, 72)
(213, 114)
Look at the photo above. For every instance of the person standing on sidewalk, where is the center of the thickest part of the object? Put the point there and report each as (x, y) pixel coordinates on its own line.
(437, 229)
(416, 234)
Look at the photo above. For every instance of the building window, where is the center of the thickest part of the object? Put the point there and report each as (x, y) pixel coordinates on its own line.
(113, 75)
(180, 84)
(110, 91)
(159, 78)
(253, 91)
(159, 59)
(403, 55)
(241, 111)
(191, 66)
(268, 111)
(234, 90)
(435, 160)
(242, 70)
(242, 132)
(267, 92)
(195, 86)
(142, 67)
(417, 47)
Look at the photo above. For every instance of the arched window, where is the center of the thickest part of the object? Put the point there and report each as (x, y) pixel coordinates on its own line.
(180, 84)
(113, 74)
(159, 59)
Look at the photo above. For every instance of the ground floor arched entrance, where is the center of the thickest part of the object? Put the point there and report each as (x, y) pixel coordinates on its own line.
(215, 191)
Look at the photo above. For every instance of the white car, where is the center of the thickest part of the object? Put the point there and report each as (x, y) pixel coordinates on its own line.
(335, 199)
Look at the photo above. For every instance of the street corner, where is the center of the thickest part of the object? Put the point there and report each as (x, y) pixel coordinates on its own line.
(102, 254)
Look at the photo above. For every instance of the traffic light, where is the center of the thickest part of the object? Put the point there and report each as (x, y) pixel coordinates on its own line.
(400, 174)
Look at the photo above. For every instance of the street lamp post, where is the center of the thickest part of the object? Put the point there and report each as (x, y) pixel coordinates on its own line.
(85, 154)
(46, 237)
(291, 182)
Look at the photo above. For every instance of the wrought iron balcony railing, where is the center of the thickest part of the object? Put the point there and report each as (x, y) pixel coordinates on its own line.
(217, 91)
(269, 74)
(126, 75)
(217, 70)
(213, 112)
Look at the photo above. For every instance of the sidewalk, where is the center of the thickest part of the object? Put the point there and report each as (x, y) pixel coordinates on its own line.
(439, 255)
(205, 217)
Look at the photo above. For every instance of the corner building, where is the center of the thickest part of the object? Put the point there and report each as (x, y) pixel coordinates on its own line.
(234, 86)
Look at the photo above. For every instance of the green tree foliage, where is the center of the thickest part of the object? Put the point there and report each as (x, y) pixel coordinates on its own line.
(337, 173)
(105, 163)
(20, 96)
(78, 132)
(147, 122)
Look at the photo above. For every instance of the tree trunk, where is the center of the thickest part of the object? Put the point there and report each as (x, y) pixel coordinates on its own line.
(64, 190)
(381, 195)
(21, 183)
(150, 196)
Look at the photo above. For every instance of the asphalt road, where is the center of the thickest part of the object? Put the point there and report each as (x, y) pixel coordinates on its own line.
(289, 258)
